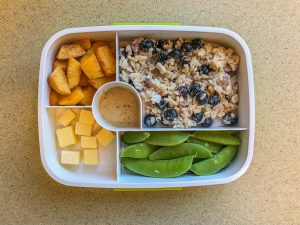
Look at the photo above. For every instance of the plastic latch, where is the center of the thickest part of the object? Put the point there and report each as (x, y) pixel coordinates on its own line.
(145, 23)
(148, 189)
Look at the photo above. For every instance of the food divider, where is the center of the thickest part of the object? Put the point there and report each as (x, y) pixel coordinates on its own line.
(109, 173)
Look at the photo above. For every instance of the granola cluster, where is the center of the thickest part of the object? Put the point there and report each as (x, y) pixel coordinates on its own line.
(183, 83)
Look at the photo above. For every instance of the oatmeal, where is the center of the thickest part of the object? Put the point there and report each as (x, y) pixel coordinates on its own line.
(183, 83)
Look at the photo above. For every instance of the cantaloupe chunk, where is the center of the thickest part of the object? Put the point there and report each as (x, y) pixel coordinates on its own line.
(91, 67)
(75, 97)
(74, 72)
(113, 50)
(58, 81)
(88, 95)
(97, 83)
(53, 97)
(62, 63)
(69, 51)
(84, 43)
(84, 80)
(96, 45)
(106, 60)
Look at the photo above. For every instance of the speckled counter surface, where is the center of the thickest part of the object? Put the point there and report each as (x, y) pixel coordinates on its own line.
(267, 194)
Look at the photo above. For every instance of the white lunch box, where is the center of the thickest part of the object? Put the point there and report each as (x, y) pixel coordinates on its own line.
(109, 173)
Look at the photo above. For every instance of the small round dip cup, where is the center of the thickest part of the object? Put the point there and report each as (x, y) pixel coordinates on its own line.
(97, 111)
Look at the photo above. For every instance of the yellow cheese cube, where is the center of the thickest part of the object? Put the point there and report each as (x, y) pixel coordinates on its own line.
(91, 156)
(104, 137)
(66, 136)
(70, 157)
(86, 117)
(83, 129)
(66, 118)
(88, 142)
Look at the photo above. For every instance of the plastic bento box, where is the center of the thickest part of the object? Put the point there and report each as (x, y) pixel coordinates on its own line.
(109, 173)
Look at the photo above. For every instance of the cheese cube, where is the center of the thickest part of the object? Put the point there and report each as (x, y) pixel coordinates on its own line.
(91, 156)
(86, 117)
(104, 137)
(88, 142)
(70, 157)
(66, 118)
(83, 129)
(66, 136)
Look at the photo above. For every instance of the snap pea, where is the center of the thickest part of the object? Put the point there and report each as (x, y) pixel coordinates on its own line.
(216, 137)
(135, 137)
(167, 138)
(216, 163)
(140, 151)
(212, 147)
(178, 151)
(159, 168)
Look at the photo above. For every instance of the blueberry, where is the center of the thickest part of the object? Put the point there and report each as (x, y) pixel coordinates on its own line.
(197, 117)
(164, 55)
(161, 43)
(184, 61)
(170, 114)
(204, 69)
(183, 90)
(146, 44)
(202, 97)
(230, 119)
(228, 97)
(197, 43)
(195, 88)
(123, 53)
(162, 104)
(150, 120)
(162, 62)
(130, 82)
(154, 51)
(207, 122)
(175, 53)
(214, 100)
(186, 46)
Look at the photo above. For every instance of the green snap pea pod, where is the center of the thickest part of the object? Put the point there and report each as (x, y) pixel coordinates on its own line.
(135, 137)
(216, 163)
(178, 151)
(212, 147)
(216, 137)
(140, 151)
(159, 168)
(167, 138)
(196, 160)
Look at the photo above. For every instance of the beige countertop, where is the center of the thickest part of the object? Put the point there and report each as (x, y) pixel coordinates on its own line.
(267, 194)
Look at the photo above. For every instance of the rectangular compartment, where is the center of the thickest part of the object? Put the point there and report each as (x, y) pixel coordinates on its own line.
(110, 174)
(52, 49)
(103, 173)
(222, 39)
(190, 179)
